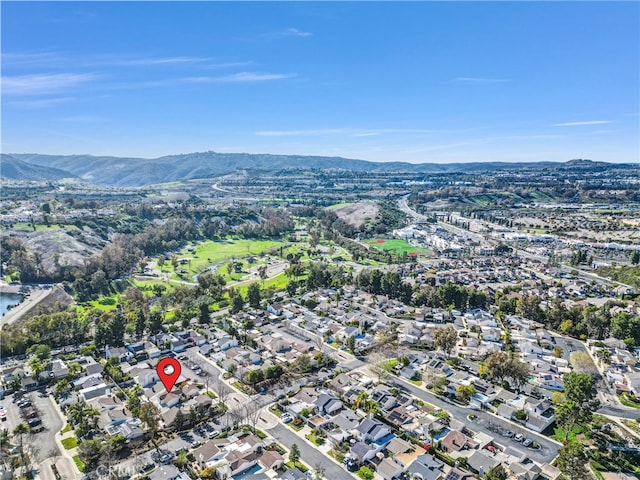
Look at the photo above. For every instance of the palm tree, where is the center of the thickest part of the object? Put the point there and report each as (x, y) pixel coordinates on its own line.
(4, 438)
(372, 407)
(19, 431)
(75, 412)
(361, 400)
(91, 416)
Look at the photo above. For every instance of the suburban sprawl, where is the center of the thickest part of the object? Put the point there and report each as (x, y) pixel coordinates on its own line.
(332, 322)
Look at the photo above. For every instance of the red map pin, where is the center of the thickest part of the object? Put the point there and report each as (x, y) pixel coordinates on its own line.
(168, 370)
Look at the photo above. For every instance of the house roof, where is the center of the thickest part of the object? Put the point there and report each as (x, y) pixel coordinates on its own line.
(397, 445)
(270, 458)
(388, 468)
(481, 461)
(293, 474)
(360, 449)
(454, 441)
(368, 425)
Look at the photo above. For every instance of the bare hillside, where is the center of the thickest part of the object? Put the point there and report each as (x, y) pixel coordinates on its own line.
(358, 213)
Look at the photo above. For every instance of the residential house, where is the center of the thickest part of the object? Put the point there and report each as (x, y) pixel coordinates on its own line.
(426, 467)
(389, 469)
(371, 429)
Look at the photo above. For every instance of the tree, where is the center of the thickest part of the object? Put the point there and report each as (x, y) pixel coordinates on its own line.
(445, 339)
(580, 403)
(43, 352)
(443, 416)
(519, 372)
(133, 402)
(557, 351)
(4, 438)
(155, 322)
(557, 398)
(566, 416)
(149, 415)
(635, 257)
(19, 432)
(578, 387)
(262, 272)
(572, 461)
(237, 303)
(582, 362)
(365, 473)
(90, 452)
(253, 295)
(496, 472)
(294, 454)
(319, 471)
(351, 343)
(465, 392)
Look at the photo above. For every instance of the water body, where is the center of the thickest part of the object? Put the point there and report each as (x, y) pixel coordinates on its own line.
(8, 300)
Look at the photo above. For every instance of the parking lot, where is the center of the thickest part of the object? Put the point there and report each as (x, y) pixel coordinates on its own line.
(42, 444)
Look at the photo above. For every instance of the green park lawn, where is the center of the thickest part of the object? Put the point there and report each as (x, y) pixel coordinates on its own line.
(395, 245)
(339, 205)
(212, 252)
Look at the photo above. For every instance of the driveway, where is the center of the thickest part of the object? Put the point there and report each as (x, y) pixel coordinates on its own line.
(308, 454)
(487, 423)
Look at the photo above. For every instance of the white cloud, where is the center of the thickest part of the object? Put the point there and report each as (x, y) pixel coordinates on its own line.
(253, 77)
(161, 61)
(480, 80)
(42, 84)
(579, 124)
(289, 32)
(297, 33)
(41, 102)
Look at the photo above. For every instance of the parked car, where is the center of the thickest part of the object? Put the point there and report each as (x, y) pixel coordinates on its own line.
(166, 457)
(34, 421)
(508, 434)
(286, 418)
(519, 437)
(527, 442)
(212, 433)
(147, 468)
(3, 415)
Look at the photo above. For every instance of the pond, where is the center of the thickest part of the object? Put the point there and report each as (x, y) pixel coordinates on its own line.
(8, 300)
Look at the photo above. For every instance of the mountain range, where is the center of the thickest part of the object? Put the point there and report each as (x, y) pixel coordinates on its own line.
(136, 172)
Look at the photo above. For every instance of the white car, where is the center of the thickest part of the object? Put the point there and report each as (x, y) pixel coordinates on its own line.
(286, 418)
(212, 433)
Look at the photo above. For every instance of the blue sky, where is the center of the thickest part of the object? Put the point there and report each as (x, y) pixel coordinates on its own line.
(417, 82)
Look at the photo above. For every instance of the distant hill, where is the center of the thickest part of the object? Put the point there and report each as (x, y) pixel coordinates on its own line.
(127, 172)
(14, 169)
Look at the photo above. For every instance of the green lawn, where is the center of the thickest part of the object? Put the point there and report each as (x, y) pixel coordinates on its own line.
(39, 227)
(559, 433)
(339, 205)
(299, 465)
(395, 245)
(66, 429)
(317, 441)
(79, 462)
(627, 401)
(212, 252)
(70, 442)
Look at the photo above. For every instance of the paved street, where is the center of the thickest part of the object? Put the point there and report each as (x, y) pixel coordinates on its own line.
(309, 455)
(487, 423)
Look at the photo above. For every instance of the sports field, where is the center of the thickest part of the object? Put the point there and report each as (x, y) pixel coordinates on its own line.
(397, 246)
